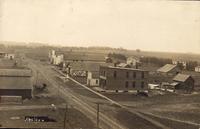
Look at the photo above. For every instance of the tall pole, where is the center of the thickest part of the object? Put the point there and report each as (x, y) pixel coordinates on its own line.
(36, 77)
(65, 117)
(97, 115)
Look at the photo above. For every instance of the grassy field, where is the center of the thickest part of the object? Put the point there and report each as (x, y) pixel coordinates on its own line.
(169, 105)
(75, 119)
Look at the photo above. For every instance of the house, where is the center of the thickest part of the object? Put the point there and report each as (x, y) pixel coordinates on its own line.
(93, 78)
(9, 56)
(117, 78)
(169, 69)
(2, 54)
(181, 62)
(5, 55)
(55, 58)
(183, 83)
(16, 82)
(133, 61)
(197, 69)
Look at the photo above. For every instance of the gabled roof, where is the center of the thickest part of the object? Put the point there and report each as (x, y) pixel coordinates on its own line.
(174, 84)
(166, 68)
(181, 77)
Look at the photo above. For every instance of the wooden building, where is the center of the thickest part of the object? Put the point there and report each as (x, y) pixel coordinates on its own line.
(169, 69)
(93, 78)
(116, 78)
(16, 82)
(183, 83)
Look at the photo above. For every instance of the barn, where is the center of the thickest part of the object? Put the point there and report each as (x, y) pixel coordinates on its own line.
(183, 83)
(16, 82)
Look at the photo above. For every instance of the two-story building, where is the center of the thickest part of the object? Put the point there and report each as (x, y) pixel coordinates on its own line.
(117, 78)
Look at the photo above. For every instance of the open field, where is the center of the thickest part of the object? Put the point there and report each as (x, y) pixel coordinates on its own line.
(185, 108)
(97, 53)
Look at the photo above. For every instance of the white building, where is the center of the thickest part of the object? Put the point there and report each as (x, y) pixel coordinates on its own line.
(184, 63)
(197, 69)
(55, 59)
(132, 61)
(93, 78)
(9, 56)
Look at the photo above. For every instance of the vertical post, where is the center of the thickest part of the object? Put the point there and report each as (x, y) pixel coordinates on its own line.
(97, 115)
(65, 117)
(36, 81)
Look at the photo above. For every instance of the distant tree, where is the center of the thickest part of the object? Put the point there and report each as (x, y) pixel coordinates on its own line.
(117, 56)
(180, 65)
(191, 65)
(138, 50)
(155, 60)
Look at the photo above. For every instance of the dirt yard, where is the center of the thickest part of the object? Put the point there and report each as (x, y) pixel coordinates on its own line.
(169, 105)
(16, 118)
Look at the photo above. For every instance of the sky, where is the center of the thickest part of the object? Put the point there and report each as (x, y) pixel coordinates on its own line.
(154, 25)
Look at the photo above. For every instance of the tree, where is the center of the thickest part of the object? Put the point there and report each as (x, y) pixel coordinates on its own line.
(191, 65)
(117, 56)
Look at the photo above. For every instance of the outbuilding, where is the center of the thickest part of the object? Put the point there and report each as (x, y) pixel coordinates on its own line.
(16, 82)
(169, 69)
(183, 83)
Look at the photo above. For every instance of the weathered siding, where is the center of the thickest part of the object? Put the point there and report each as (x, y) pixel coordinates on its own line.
(25, 93)
(122, 81)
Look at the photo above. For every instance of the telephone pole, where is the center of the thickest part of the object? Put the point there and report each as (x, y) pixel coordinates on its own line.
(98, 115)
(65, 117)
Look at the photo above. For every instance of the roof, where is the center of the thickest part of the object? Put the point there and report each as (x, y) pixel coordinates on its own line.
(15, 83)
(88, 66)
(133, 69)
(123, 65)
(166, 68)
(15, 73)
(174, 84)
(181, 77)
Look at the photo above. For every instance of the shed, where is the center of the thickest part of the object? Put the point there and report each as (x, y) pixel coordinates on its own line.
(16, 82)
(169, 69)
(184, 82)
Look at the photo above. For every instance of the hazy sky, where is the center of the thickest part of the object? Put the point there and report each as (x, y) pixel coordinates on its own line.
(155, 25)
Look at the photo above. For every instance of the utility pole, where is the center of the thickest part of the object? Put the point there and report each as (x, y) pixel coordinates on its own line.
(36, 81)
(98, 115)
(65, 117)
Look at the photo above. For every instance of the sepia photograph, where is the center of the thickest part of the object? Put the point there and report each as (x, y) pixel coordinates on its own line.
(99, 64)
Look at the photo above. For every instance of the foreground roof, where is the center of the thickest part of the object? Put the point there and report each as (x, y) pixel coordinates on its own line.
(15, 83)
(181, 77)
(15, 73)
(166, 68)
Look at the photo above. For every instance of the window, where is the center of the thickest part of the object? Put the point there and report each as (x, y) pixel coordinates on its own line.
(142, 74)
(133, 84)
(97, 81)
(115, 74)
(104, 73)
(142, 85)
(127, 74)
(126, 84)
(134, 74)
